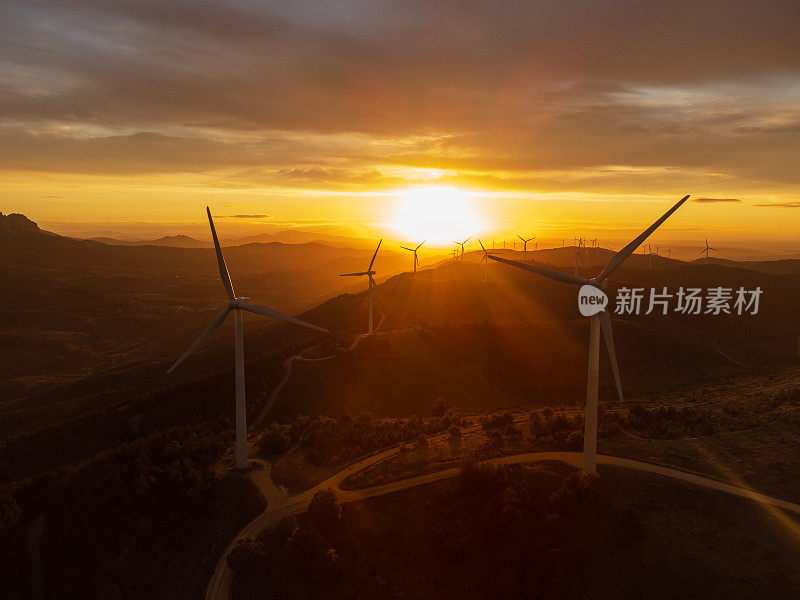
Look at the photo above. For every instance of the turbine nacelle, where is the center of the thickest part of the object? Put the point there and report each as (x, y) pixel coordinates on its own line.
(239, 302)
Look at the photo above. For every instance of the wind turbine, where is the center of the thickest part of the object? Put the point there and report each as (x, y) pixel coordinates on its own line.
(525, 246)
(237, 304)
(706, 249)
(578, 259)
(598, 321)
(369, 273)
(669, 252)
(414, 250)
(485, 260)
(462, 246)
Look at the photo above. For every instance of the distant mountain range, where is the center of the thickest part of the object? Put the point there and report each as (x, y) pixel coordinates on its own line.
(289, 236)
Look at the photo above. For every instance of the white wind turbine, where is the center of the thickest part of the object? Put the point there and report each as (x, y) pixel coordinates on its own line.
(462, 246)
(598, 321)
(525, 246)
(236, 304)
(706, 249)
(369, 273)
(414, 250)
(485, 260)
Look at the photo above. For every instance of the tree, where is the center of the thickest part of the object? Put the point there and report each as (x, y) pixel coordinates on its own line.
(324, 511)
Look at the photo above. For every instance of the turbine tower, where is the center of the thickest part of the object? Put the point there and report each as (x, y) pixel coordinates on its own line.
(369, 273)
(236, 304)
(601, 320)
(525, 246)
(414, 250)
(706, 249)
(462, 246)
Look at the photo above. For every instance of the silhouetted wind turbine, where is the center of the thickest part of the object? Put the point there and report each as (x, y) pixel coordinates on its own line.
(706, 249)
(525, 246)
(414, 250)
(598, 321)
(485, 260)
(369, 273)
(462, 246)
(236, 304)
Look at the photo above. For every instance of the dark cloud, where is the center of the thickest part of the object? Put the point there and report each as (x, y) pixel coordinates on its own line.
(193, 86)
(245, 216)
(716, 200)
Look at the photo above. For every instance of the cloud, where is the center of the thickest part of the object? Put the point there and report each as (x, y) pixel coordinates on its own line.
(716, 200)
(350, 94)
(245, 216)
(780, 204)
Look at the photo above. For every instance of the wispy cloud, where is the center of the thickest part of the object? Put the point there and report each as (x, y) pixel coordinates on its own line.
(717, 200)
(244, 216)
(780, 204)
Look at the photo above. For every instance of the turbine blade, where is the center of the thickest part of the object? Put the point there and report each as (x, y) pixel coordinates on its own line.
(557, 275)
(482, 248)
(215, 324)
(621, 256)
(268, 312)
(608, 334)
(374, 255)
(520, 237)
(420, 245)
(352, 274)
(409, 249)
(223, 268)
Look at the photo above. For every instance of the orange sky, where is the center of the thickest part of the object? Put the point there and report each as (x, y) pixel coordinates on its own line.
(553, 118)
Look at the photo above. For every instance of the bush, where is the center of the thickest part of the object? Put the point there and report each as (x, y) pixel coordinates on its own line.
(274, 441)
(575, 440)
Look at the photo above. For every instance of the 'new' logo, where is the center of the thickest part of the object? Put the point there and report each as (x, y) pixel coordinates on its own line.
(591, 300)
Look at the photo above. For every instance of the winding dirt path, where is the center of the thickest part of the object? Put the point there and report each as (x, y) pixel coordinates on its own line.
(221, 580)
(287, 372)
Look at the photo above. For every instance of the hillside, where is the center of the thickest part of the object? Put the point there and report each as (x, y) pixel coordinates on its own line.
(69, 308)
(517, 339)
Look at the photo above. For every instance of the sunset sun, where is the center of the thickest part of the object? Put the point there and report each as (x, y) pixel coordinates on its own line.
(437, 214)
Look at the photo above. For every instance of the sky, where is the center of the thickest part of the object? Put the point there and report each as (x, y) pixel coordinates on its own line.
(547, 118)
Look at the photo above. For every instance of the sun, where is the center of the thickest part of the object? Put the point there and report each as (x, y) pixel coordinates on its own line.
(437, 214)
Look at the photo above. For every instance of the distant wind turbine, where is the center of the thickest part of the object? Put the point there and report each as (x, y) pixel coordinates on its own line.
(462, 246)
(525, 246)
(706, 249)
(414, 250)
(485, 260)
(578, 259)
(369, 273)
(236, 304)
(598, 321)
